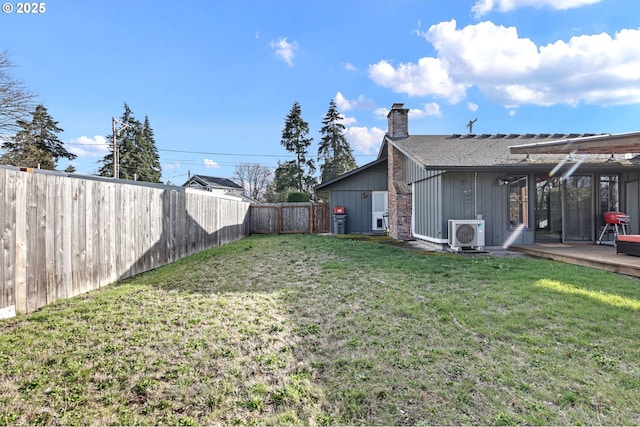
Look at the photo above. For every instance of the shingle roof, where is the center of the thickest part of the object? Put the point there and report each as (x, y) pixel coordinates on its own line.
(447, 151)
(215, 181)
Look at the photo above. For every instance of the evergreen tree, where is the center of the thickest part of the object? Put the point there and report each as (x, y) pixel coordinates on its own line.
(299, 172)
(285, 181)
(36, 143)
(149, 169)
(287, 176)
(334, 150)
(137, 153)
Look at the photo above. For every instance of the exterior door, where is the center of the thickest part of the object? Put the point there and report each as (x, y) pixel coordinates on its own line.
(548, 211)
(379, 210)
(564, 209)
(579, 218)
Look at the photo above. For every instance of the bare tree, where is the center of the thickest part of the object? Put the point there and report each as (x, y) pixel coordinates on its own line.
(254, 178)
(16, 101)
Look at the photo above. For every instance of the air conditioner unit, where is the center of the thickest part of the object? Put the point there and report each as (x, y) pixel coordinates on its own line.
(466, 234)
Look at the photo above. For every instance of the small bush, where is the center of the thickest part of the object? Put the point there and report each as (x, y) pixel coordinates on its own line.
(298, 197)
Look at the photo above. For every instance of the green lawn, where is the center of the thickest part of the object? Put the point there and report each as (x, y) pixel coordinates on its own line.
(317, 330)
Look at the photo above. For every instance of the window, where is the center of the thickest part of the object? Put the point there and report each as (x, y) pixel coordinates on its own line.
(518, 201)
(609, 201)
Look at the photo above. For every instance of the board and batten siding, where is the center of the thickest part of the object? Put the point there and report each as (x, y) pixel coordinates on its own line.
(349, 192)
(416, 172)
(61, 236)
(358, 210)
(427, 209)
(471, 194)
(465, 195)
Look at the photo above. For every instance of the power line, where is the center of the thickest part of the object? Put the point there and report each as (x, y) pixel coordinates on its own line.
(226, 154)
(213, 153)
(247, 155)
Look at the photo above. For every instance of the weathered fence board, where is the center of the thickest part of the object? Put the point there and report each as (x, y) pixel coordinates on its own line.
(61, 236)
(281, 218)
(321, 218)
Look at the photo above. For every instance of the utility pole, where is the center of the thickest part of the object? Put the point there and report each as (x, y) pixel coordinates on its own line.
(116, 158)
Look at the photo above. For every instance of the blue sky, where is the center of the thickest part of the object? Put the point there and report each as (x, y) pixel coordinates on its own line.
(218, 77)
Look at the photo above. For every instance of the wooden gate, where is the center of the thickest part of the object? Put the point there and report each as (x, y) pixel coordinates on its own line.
(283, 218)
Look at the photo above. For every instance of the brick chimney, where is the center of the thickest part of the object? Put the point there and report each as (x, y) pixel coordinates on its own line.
(398, 123)
(399, 192)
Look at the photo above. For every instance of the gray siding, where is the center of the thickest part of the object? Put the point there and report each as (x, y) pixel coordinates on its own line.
(440, 196)
(472, 194)
(372, 179)
(358, 210)
(416, 172)
(427, 208)
(349, 193)
(465, 195)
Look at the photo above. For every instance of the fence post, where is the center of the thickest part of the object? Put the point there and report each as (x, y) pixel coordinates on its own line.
(278, 219)
(20, 268)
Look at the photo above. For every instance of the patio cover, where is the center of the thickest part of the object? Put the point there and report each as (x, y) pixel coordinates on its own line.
(620, 143)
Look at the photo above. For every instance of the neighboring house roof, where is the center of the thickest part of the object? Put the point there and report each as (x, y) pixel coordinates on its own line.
(212, 182)
(487, 151)
(351, 173)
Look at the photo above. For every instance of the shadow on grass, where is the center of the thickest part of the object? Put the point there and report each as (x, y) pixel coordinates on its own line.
(323, 330)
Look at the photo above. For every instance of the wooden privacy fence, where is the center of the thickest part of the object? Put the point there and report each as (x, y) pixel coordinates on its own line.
(280, 218)
(62, 236)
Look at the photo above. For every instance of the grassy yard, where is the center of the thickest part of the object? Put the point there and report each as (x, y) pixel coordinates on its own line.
(319, 330)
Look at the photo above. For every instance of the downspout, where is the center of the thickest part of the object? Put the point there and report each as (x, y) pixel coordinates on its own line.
(475, 195)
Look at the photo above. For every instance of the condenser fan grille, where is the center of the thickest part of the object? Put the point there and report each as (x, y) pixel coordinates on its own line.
(465, 233)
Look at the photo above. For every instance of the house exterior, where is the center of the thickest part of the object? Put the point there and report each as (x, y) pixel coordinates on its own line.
(217, 185)
(548, 195)
(363, 192)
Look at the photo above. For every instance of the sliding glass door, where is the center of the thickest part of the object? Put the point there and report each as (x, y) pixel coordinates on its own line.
(579, 218)
(564, 209)
(548, 221)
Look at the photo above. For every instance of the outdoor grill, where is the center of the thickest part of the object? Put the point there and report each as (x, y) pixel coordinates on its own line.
(615, 222)
(616, 218)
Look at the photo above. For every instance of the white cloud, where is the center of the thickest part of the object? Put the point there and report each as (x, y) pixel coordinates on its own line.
(85, 146)
(482, 51)
(364, 140)
(210, 164)
(510, 70)
(345, 104)
(168, 167)
(483, 7)
(285, 50)
(381, 113)
(348, 121)
(430, 109)
(350, 67)
(430, 76)
(472, 106)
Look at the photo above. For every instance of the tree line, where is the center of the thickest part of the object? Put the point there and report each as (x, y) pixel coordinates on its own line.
(29, 135)
(294, 180)
(29, 138)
